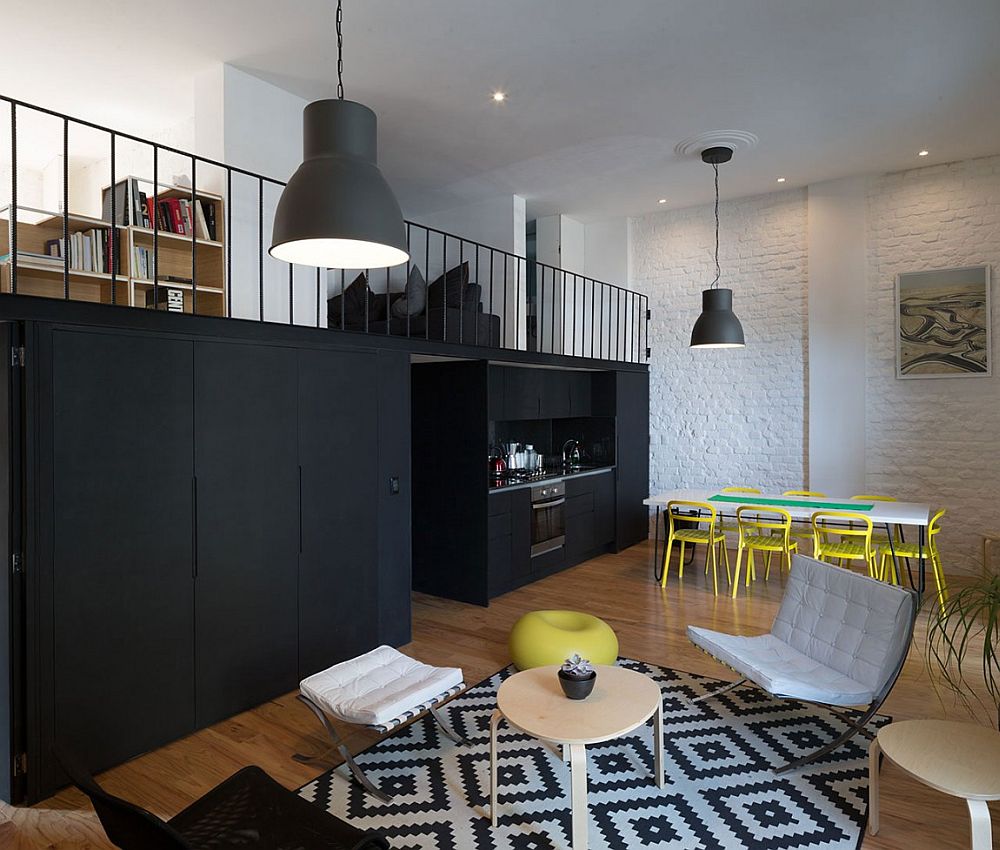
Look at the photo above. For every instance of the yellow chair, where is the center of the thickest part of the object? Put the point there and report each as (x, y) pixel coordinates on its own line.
(540, 638)
(879, 538)
(804, 533)
(724, 525)
(767, 530)
(855, 543)
(911, 550)
(695, 512)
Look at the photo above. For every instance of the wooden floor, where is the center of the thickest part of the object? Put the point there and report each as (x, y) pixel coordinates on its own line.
(650, 625)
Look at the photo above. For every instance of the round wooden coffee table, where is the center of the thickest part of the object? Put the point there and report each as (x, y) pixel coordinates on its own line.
(532, 701)
(960, 759)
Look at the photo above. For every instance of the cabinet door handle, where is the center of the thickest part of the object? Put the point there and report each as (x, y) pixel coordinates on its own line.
(300, 509)
(194, 527)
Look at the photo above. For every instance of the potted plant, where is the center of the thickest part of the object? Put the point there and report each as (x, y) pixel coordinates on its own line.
(577, 677)
(970, 619)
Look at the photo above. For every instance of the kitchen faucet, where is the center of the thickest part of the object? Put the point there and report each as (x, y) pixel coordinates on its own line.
(573, 455)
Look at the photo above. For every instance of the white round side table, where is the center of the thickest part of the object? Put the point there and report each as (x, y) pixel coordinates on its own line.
(960, 759)
(532, 701)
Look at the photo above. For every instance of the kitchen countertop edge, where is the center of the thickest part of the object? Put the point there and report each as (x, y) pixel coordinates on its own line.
(506, 488)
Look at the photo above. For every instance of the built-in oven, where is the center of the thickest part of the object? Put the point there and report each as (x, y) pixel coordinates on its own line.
(548, 517)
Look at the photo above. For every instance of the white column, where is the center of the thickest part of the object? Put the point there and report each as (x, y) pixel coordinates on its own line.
(837, 247)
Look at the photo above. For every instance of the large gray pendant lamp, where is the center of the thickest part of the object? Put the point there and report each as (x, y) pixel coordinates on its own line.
(717, 326)
(337, 211)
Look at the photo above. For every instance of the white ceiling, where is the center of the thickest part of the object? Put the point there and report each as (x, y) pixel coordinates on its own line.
(599, 93)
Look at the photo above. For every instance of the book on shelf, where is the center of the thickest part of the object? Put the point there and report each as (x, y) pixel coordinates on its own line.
(89, 251)
(165, 298)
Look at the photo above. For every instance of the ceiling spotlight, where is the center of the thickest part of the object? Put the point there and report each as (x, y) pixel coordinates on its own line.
(923, 153)
(781, 179)
(662, 201)
(499, 97)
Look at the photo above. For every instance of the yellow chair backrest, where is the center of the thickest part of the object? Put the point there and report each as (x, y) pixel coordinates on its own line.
(763, 517)
(810, 494)
(690, 512)
(867, 498)
(835, 518)
(752, 490)
(935, 525)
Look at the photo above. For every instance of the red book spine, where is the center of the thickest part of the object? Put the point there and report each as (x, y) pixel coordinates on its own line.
(151, 211)
(175, 211)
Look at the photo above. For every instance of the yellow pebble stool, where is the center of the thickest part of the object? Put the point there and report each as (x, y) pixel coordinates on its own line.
(540, 638)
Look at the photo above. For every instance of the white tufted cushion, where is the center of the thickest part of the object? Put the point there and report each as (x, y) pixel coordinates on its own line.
(378, 687)
(779, 669)
(837, 638)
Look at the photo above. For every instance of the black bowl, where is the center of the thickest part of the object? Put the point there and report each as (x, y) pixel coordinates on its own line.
(577, 688)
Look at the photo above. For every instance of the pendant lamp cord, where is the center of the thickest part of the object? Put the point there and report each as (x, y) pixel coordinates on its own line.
(718, 270)
(340, 50)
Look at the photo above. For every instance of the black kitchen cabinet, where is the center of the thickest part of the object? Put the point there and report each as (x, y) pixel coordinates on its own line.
(338, 441)
(590, 506)
(247, 502)
(497, 391)
(116, 637)
(498, 550)
(522, 393)
(632, 457)
(554, 398)
(580, 392)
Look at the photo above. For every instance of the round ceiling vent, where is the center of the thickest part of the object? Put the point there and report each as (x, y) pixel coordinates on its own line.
(733, 139)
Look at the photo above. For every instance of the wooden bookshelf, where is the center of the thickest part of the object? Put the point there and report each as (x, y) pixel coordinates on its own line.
(133, 288)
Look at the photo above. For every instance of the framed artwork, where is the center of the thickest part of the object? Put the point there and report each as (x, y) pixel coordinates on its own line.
(943, 323)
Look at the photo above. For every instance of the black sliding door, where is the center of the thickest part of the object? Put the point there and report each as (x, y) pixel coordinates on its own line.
(339, 457)
(247, 495)
(117, 528)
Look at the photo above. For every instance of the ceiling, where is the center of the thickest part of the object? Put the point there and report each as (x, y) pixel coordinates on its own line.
(599, 93)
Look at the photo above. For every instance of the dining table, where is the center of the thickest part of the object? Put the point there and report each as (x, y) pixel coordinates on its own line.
(801, 509)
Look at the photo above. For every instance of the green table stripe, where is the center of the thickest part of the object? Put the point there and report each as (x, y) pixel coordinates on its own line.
(750, 499)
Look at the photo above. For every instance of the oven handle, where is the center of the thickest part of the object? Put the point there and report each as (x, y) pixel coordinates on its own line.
(537, 506)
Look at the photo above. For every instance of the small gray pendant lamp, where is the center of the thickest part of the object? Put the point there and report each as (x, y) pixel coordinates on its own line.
(337, 211)
(717, 326)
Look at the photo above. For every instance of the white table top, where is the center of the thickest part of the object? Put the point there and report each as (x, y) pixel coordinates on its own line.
(533, 701)
(802, 507)
(961, 759)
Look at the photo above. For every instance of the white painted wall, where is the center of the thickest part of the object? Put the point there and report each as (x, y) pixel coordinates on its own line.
(838, 239)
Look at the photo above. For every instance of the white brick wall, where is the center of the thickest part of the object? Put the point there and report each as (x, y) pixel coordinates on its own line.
(740, 417)
(934, 440)
(727, 416)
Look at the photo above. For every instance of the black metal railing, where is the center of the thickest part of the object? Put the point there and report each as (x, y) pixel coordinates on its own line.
(478, 294)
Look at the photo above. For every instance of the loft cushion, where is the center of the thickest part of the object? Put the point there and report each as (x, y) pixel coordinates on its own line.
(377, 687)
(452, 284)
(353, 310)
(414, 297)
(838, 637)
(781, 670)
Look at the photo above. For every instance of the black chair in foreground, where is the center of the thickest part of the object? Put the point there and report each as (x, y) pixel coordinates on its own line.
(249, 811)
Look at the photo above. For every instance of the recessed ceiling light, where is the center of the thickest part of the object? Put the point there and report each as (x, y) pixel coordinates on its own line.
(923, 153)
(499, 97)
(662, 201)
(781, 179)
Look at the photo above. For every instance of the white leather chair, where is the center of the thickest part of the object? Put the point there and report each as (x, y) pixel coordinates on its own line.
(839, 638)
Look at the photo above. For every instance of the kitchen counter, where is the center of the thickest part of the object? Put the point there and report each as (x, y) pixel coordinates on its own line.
(549, 478)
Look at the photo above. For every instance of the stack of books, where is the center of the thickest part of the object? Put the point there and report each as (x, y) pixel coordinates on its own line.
(180, 215)
(89, 251)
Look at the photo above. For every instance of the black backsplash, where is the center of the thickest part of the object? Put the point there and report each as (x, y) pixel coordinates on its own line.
(595, 433)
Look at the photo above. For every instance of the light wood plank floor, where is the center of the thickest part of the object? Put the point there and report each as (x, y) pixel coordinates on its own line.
(650, 625)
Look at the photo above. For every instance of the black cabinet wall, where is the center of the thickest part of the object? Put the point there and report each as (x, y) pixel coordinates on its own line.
(115, 536)
(247, 502)
(177, 480)
(632, 457)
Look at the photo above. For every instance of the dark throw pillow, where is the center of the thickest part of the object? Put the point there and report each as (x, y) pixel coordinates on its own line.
(353, 307)
(414, 297)
(451, 284)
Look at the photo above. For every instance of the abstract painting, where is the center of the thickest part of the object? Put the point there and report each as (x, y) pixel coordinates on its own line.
(943, 323)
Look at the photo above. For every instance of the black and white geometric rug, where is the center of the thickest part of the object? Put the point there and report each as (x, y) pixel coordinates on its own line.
(721, 791)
